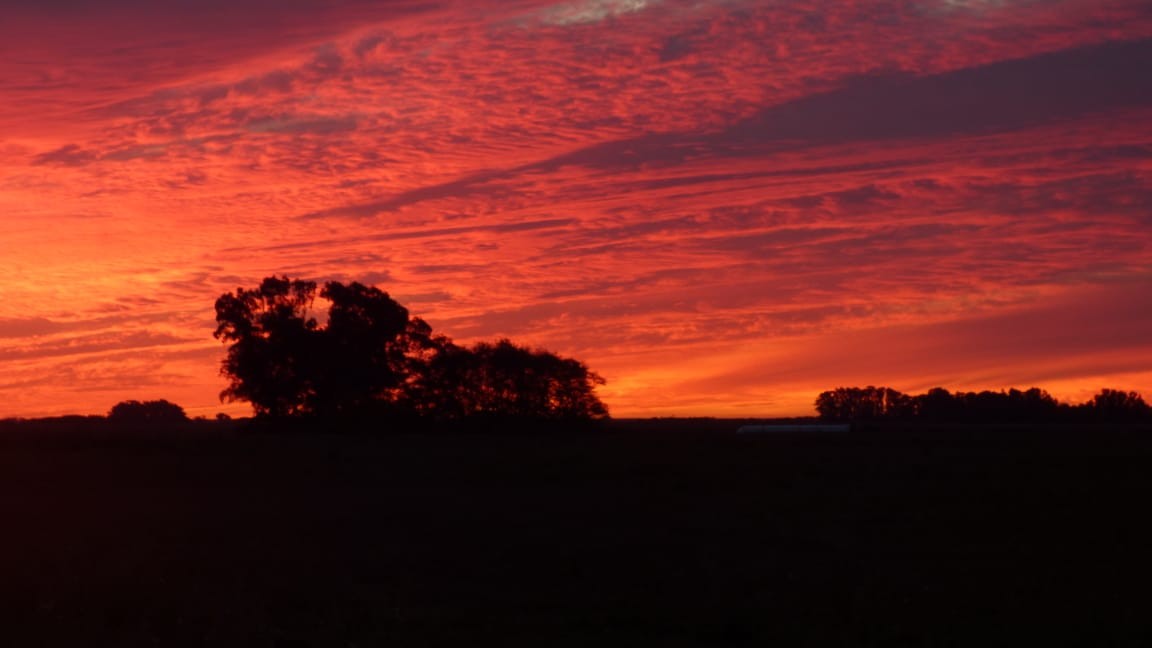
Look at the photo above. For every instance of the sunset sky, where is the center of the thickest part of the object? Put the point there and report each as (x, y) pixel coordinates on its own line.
(722, 206)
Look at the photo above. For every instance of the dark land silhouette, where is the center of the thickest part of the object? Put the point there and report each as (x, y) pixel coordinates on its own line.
(651, 532)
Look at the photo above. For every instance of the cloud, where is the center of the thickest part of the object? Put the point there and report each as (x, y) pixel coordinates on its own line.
(303, 125)
(27, 327)
(88, 344)
(1017, 346)
(672, 191)
(592, 11)
(69, 155)
(1000, 96)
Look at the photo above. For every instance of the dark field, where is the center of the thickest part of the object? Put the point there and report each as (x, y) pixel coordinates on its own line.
(644, 536)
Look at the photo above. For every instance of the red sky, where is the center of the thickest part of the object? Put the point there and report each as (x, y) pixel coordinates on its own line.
(722, 206)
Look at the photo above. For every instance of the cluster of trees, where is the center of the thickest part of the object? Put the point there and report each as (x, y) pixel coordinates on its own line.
(134, 412)
(938, 404)
(370, 357)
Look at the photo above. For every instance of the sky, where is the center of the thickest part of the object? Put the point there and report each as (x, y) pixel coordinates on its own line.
(723, 207)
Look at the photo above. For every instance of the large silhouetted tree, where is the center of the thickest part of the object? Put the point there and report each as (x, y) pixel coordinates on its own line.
(373, 352)
(273, 355)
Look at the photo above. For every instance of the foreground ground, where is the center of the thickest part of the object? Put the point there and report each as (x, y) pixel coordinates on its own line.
(632, 538)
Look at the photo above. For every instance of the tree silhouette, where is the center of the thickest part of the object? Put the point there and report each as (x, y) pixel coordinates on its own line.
(157, 411)
(503, 380)
(272, 358)
(863, 404)
(1011, 406)
(448, 389)
(1033, 404)
(372, 358)
(372, 350)
(1117, 405)
(937, 404)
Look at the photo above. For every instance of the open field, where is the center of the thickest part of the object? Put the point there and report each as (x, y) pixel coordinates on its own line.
(652, 534)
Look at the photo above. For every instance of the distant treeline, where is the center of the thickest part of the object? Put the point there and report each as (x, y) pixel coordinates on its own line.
(128, 420)
(129, 412)
(1011, 406)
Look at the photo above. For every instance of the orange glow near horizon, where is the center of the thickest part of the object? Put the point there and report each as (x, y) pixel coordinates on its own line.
(723, 207)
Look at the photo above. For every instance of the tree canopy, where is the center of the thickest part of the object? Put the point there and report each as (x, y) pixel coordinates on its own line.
(369, 356)
(157, 411)
(502, 379)
(271, 357)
